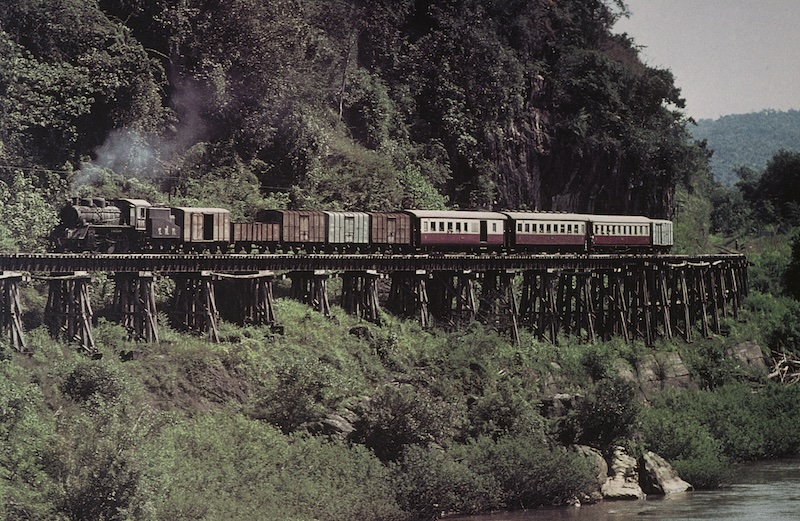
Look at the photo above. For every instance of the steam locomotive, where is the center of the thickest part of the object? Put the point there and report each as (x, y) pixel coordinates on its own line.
(135, 225)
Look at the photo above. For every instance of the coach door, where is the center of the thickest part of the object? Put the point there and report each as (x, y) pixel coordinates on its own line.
(196, 232)
(304, 228)
(349, 229)
(208, 227)
(484, 231)
(391, 229)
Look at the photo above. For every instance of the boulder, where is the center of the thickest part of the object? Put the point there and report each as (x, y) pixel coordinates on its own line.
(598, 463)
(750, 356)
(623, 479)
(658, 476)
(560, 404)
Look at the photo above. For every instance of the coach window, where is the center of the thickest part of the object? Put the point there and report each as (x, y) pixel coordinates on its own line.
(425, 226)
(494, 227)
(569, 228)
(466, 227)
(527, 227)
(458, 227)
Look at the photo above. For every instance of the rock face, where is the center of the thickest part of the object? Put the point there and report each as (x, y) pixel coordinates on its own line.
(623, 479)
(658, 476)
(749, 355)
(661, 371)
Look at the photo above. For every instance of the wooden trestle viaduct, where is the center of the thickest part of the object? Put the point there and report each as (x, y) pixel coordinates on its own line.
(596, 296)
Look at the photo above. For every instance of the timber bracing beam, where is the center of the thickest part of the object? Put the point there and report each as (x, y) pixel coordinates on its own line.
(360, 294)
(68, 311)
(195, 306)
(408, 295)
(135, 304)
(11, 323)
(311, 287)
(249, 297)
(452, 297)
(498, 303)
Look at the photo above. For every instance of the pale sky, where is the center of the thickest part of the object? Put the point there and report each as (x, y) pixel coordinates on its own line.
(727, 56)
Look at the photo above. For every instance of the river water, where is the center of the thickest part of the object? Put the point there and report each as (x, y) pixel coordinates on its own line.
(768, 491)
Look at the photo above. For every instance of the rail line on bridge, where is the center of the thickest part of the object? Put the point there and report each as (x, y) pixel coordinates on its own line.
(175, 263)
(592, 296)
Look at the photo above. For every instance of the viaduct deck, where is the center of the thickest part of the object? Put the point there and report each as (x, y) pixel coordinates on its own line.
(187, 263)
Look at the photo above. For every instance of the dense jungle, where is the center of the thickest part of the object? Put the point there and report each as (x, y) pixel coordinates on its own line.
(379, 105)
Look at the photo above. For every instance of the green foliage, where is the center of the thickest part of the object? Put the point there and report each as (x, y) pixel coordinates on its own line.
(700, 431)
(529, 472)
(304, 386)
(605, 417)
(511, 472)
(791, 276)
(26, 432)
(431, 481)
(256, 472)
(397, 416)
(348, 105)
(776, 321)
(92, 382)
(26, 215)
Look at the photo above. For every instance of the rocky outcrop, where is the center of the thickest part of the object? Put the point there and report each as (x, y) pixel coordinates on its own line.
(658, 477)
(749, 356)
(660, 371)
(623, 477)
(598, 463)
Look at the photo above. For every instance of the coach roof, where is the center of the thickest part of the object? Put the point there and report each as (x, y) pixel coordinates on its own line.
(455, 214)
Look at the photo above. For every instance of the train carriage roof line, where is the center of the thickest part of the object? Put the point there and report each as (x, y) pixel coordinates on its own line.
(200, 209)
(455, 214)
(548, 216)
(134, 202)
(625, 219)
(345, 213)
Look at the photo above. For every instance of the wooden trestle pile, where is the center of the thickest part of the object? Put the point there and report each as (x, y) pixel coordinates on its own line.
(642, 299)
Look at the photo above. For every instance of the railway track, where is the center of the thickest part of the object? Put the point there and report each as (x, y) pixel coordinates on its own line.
(185, 263)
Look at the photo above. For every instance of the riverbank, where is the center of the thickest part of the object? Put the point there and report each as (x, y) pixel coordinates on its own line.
(761, 490)
(408, 423)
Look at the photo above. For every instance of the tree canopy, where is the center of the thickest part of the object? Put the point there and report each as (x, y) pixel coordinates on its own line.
(346, 104)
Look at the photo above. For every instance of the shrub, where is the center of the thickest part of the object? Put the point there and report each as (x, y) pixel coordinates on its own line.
(224, 466)
(688, 444)
(606, 416)
(297, 396)
(92, 382)
(431, 482)
(528, 471)
(398, 415)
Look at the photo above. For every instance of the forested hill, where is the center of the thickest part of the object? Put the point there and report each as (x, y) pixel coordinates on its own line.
(747, 140)
(351, 104)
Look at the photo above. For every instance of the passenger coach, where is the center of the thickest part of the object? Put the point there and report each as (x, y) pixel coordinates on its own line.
(547, 232)
(456, 230)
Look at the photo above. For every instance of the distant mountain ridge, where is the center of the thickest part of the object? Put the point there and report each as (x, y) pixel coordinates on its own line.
(748, 140)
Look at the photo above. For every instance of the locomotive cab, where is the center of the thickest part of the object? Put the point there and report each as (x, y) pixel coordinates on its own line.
(133, 213)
